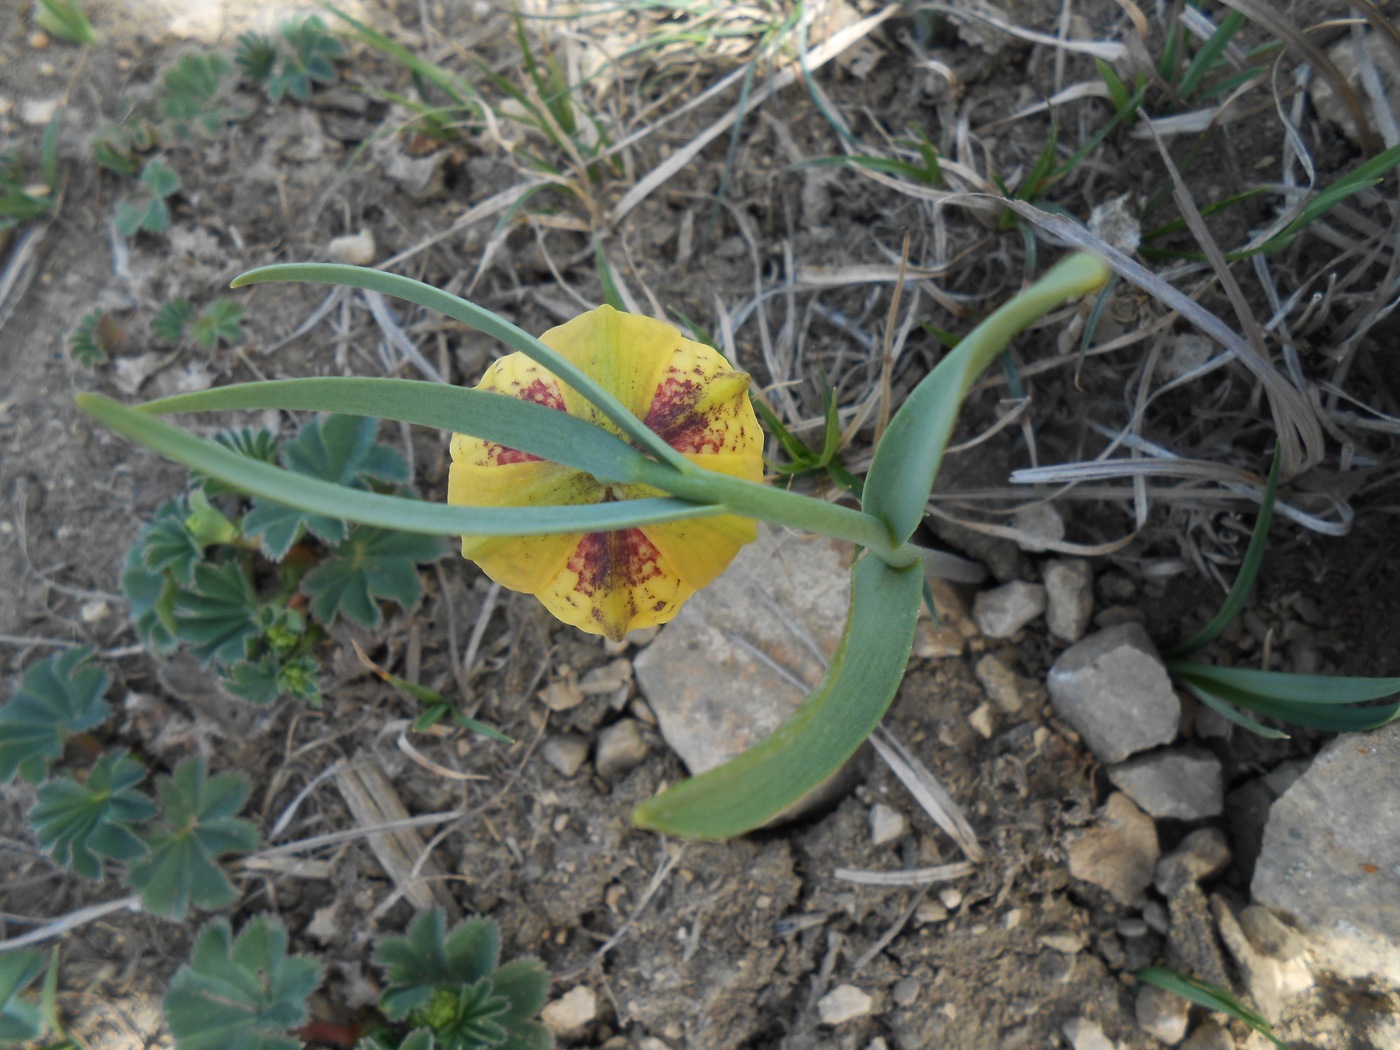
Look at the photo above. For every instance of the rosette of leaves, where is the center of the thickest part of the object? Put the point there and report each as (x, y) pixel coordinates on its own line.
(447, 992)
(290, 66)
(250, 592)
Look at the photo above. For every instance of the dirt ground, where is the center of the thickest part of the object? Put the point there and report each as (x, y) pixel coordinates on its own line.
(707, 945)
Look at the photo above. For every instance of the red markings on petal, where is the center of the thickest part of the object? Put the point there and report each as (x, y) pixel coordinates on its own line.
(609, 561)
(539, 391)
(675, 416)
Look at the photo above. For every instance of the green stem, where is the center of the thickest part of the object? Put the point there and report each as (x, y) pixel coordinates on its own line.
(779, 507)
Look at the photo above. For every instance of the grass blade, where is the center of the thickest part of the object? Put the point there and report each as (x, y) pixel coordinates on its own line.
(483, 321)
(1249, 569)
(1290, 688)
(509, 421)
(822, 734)
(371, 508)
(1211, 996)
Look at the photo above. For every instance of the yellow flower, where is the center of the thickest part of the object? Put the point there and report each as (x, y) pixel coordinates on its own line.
(614, 582)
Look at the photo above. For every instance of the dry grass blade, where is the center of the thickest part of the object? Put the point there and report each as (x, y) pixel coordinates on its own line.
(928, 792)
(1107, 50)
(373, 800)
(907, 877)
(814, 59)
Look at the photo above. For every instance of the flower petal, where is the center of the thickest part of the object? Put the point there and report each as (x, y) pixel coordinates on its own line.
(615, 582)
(699, 405)
(625, 353)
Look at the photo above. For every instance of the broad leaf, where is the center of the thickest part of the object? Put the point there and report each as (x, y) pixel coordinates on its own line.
(822, 734)
(20, 1020)
(217, 618)
(167, 544)
(426, 957)
(80, 823)
(152, 599)
(911, 450)
(243, 994)
(221, 320)
(198, 826)
(59, 695)
(373, 565)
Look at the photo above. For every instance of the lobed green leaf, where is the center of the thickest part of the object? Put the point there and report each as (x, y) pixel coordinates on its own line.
(59, 695)
(80, 823)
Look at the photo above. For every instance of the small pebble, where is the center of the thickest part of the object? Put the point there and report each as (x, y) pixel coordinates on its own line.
(621, 749)
(1084, 1034)
(843, 1003)
(887, 824)
(39, 40)
(566, 753)
(1209, 1036)
(571, 1011)
(1004, 610)
(951, 897)
(983, 721)
(1161, 1014)
(929, 912)
(905, 992)
(354, 249)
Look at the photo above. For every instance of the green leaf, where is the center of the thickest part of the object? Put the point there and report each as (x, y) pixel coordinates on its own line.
(373, 565)
(1211, 996)
(59, 695)
(822, 734)
(80, 823)
(908, 457)
(169, 324)
(1320, 701)
(481, 320)
(167, 545)
(152, 599)
(218, 616)
(191, 93)
(221, 320)
(85, 345)
(508, 421)
(256, 56)
(198, 826)
(389, 512)
(243, 994)
(20, 1020)
(1249, 568)
(65, 20)
(417, 963)
(148, 211)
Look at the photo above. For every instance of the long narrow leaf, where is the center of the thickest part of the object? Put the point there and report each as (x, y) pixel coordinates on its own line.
(371, 508)
(1211, 996)
(523, 425)
(1249, 569)
(1230, 712)
(1292, 688)
(1332, 716)
(907, 459)
(822, 734)
(482, 320)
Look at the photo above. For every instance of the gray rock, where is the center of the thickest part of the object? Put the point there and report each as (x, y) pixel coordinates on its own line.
(621, 749)
(726, 672)
(1119, 853)
(1192, 946)
(1004, 610)
(1084, 1034)
(1330, 862)
(565, 752)
(1209, 1036)
(1202, 855)
(1161, 1014)
(1069, 597)
(1271, 935)
(1040, 526)
(1113, 689)
(1180, 783)
(571, 1011)
(905, 992)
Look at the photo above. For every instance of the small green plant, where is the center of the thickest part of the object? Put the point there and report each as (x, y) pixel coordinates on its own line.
(65, 20)
(250, 592)
(22, 199)
(244, 992)
(192, 99)
(23, 1021)
(447, 992)
(304, 57)
(220, 321)
(147, 210)
(94, 339)
(1211, 996)
(169, 854)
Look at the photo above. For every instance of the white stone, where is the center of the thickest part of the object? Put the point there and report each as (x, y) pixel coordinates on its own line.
(1179, 783)
(571, 1011)
(1330, 861)
(1004, 686)
(1084, 1034)
(983, 721)
(565, 752)
(1270, 982)
(621, 749)
(1004, 610)
(1040, 525)
(354, 249)
(843, 1003)
(1113, 689)
(1069, 598)
(1201, 855)
(887, 824)
(37, 112)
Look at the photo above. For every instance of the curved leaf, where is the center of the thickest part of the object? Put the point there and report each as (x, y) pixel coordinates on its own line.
(831, 724)
(482, 320)
(911, 451)
(1288, 687)
(524, 425)
(370, 508)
